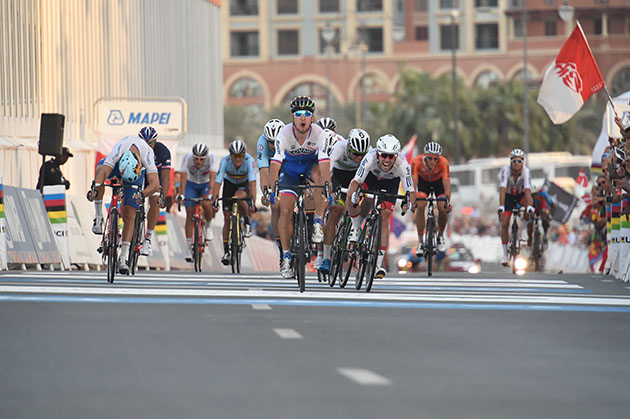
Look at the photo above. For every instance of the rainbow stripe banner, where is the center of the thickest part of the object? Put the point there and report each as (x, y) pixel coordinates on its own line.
(3, 230)
(55, 204)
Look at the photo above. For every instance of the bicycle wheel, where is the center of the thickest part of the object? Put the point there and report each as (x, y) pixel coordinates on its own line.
(514, 245)
(364, 240)
(239, 253)
(233, 242)
(112, 245)
(374, 247)
(134, 248)
(300, 257)
(537, 250)
(196, 247)
(429, 244)
(336, 253)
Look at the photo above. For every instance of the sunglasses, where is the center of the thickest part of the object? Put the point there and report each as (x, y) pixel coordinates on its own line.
(357, 154)
(517, 160)
(238, 156)
(388, 156)
(300, 114)
(434, 158)
(601, 183)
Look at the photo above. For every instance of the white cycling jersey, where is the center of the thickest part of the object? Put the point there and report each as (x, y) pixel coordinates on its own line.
(400, 169)
(147, 157)
(198, 174)
(289, 151)
(515, 186)
(339, 158)
(329, 148)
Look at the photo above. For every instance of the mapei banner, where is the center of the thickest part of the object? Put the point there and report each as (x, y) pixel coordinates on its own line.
(118, 117)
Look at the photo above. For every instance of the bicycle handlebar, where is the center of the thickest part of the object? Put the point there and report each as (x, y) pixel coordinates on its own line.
(373, 194)
(195, 200)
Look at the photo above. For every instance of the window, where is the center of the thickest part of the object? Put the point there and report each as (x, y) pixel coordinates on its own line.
(246, 87)
(621, 82)
(422, 33)
(421, 5)
(244, 44)
(370, 5)
(487, 79)
(373, 85)
(287, 7)
(550, 28)
(328, 6)
(486, 3)
(288, 42)
(373, 37)
(334, 44)
(243, 7)
(550, 2)
(490, 176)
(449, 4)
(487, 36)
(449, 37)
(597, 25)
(518, 28)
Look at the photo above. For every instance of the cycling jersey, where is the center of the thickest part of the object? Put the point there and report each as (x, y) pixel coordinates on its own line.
(246, 172)
(515, 187)
(147, 157)
(400, 169)
(298, 159)
(198, 174)
(329, 149)
(340, 158)
(420, 170)
(541, 201)
(162, 156)
(128, 191)
(264, 153)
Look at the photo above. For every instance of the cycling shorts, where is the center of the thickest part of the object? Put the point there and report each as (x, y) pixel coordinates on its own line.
(373, 183)
(342, 179)
(128, 192)
(287, 179)
(195, 190)
(425, 188)
(513, 202)
(229, 189)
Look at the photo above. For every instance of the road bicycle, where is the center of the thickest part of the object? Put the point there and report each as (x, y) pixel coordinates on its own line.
(300, 244)
(515, 240)
(137, 239)
(538, 246)
(429, 246)
(199, 232)
(236, 237)
(369, 243)
(342, 255)
(111, 233)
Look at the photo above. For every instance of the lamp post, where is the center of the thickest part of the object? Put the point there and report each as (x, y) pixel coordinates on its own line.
(525, 82)
(328, 34)
(566, 14)
(456, 145)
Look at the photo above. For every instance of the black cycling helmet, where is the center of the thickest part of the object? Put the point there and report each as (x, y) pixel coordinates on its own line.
(302, 103)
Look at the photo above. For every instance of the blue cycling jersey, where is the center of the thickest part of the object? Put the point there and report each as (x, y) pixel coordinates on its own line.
(264, 152)
(162, 156)
(245, 173)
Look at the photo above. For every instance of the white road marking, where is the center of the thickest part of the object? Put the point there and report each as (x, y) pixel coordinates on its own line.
(364, 377)
(261, 306)
(607, 280)
(288, 334)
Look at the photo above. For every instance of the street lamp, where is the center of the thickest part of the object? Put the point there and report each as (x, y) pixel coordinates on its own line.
(566, 14)
(525, 82)
(456, 148)
(328, 34)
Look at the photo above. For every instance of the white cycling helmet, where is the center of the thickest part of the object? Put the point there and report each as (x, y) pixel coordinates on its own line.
(272, 128)
(388, 144)
(237, 147)
(331, 139)
(327, 123)
(359, 141)
(200, 150)
(433, 148)
(517, 152)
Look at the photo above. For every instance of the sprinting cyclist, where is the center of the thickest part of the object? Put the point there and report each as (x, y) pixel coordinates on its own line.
(543, 206)
(198, 173)
(380, 169)
(237, 173)
(515, 188)
(344, 161)
(163, 164)
(265, 151)
(328, 123)
(300, 149)
(430, 173)
(127, 160)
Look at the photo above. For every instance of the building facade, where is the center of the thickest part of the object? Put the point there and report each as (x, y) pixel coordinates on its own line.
(350, 51)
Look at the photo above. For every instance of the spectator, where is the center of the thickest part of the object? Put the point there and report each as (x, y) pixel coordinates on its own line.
(50, 172)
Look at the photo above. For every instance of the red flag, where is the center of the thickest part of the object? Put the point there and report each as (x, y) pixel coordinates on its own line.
(582, 180)
(571, 79)
(587, 199)
(410, 148)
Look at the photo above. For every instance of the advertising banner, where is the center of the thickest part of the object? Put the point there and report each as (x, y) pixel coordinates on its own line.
(55, 203)
(20, 248)
(3, 232)
(37, 222)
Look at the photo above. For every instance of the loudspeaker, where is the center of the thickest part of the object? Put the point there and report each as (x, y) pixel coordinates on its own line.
(51, 134)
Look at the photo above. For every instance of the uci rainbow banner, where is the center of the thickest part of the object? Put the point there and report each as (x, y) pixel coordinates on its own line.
(55, 204)
(3, 230)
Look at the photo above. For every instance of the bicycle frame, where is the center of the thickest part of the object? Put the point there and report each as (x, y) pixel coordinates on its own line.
(236, 237)
(430, 231)
(199, 241)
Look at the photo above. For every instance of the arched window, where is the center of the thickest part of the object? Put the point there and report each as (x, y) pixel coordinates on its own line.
(373, 85)
(621, 82)
(519, 75)
(246, 87)
(487, 79)
(317, 92)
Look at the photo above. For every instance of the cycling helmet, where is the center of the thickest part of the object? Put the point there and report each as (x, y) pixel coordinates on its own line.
(359, 141)
(200, 150)
(300, 103)
(237, 147)
(517, 152)
(272, 128)
(149, 134)
(388, 144)
(331, 139)
(129, 167)
(327, 123)
(433, 148)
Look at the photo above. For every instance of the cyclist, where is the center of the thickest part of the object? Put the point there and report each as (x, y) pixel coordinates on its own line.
(543, 206)
(430, 172)
(380, 169)
(237, 172)
(330, 124)
(127, 160)
(198, 173)
(515, 189)
(300, 149)
(344, 161)
(266, 149)
(163, 164)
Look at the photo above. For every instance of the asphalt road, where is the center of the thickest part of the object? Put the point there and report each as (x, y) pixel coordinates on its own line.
(185, 345)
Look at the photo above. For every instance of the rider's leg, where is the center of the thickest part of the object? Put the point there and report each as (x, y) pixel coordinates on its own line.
(188, 227)
(385, 214)
(226, 230)
(208, 215)
(420, 219)
(285, 220)
(505, 235)
(275, 215)
(335, 212)
(129, 218)
(442, 216)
